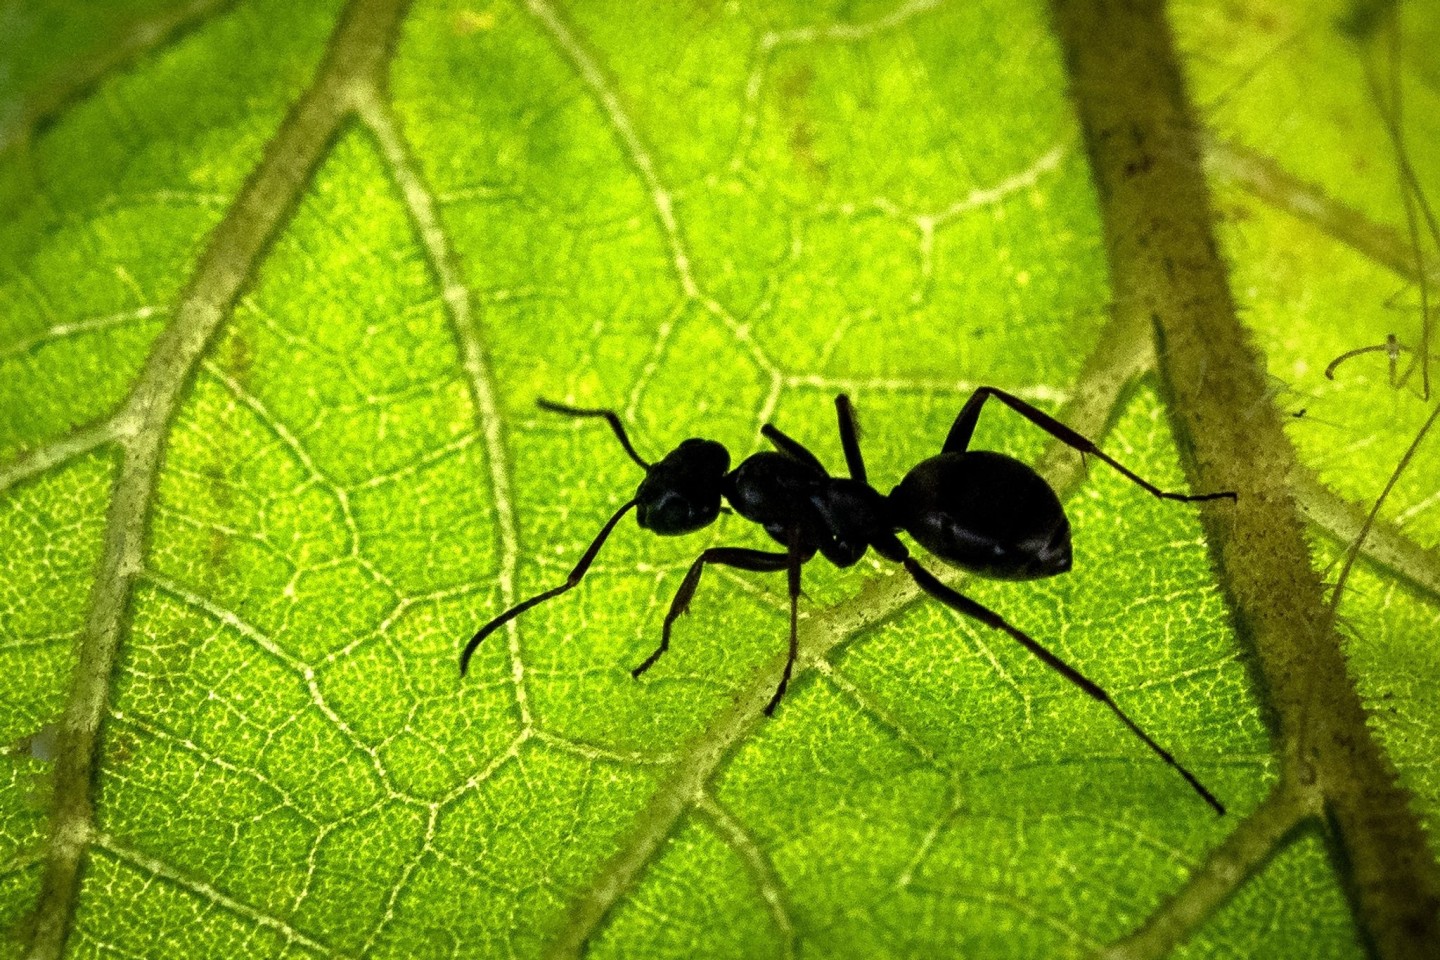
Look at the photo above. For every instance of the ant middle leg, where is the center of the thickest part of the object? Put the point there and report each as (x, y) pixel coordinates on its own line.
(741, 558)
(609, 416)
(793, 562)
(964, 427)
(962, 604)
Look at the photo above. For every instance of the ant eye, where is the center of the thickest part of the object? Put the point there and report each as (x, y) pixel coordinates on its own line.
(672, 513)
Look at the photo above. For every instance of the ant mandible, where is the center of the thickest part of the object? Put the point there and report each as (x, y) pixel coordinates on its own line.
(978, 510)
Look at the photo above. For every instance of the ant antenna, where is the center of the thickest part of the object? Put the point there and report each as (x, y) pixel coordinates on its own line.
(575, 575)
(609, 416)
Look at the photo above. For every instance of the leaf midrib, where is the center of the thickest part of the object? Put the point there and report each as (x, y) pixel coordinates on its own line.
(1166, 269)
(357, 55)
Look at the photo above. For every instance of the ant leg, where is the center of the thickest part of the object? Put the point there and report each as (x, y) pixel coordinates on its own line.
(963, 604)
(610, 417)
(741, 558)
(792, 447)
(793, 562)
(850, 438)
(964, 426)
(570, 581)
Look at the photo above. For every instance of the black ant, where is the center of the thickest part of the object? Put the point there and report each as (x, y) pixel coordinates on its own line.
(978, 510)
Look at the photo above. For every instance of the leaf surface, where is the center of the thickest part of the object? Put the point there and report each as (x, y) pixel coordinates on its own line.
(713, 218)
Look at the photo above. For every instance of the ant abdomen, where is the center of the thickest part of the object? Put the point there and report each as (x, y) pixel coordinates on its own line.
(985, 512)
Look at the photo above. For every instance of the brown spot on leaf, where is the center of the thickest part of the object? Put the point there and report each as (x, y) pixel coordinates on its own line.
(1139, 165)
(237, 357)
(120, 747)
(794, 90)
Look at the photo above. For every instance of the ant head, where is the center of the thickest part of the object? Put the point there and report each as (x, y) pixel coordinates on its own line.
(682, 492)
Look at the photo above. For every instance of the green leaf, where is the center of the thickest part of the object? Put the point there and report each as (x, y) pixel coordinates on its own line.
(279, 286)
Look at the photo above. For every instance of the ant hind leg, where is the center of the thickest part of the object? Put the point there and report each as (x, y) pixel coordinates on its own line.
(964, 427)
(962, 604)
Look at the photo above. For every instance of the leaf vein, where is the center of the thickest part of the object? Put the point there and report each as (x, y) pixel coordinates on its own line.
(359, 46)
(761, 870)
(142, 37)
(209, 893)
(377, 114)
(640, 157)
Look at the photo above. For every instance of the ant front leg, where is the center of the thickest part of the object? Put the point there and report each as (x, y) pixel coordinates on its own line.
(850, 438)
(964, 428)
(960, 603)
(741, 558)
(792, 448)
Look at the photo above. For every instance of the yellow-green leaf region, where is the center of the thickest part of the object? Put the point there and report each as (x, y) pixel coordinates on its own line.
(280, 284)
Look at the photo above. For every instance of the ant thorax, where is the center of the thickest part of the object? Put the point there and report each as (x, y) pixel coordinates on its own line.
(856, 517)
(772, 489)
